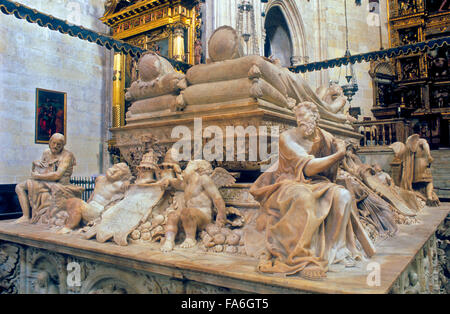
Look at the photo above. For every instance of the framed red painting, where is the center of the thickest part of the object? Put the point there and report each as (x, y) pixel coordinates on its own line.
(51, 114)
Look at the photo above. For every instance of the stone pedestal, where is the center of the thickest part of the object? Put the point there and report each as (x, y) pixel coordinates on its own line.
(406, 263)
(245, 113)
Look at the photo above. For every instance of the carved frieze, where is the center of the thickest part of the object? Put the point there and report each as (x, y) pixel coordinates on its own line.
(47, 272)
(422, 275)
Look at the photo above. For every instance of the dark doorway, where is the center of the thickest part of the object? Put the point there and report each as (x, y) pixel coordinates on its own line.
(278, 38)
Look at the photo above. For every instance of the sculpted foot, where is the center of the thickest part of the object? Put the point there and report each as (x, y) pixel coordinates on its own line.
(349, 262)
(64, 230)
(188, 243)
(264, 265)
(432, 202)
(313, 273)
(22, 219)
(168, 246)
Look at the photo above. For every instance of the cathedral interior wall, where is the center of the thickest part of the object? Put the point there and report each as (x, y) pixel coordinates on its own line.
(35, 57)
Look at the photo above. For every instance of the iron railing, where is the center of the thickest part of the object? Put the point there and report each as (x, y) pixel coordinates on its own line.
(88, 183)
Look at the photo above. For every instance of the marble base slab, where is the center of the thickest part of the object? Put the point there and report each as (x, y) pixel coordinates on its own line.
(142, 268)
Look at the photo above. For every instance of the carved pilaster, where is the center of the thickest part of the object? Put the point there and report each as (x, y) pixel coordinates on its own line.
(9, 268)
(442, 251)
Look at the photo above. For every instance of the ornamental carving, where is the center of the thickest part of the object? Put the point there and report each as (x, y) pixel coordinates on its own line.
(9, 267)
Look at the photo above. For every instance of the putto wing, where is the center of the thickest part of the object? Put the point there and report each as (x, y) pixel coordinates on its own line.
(222, 178)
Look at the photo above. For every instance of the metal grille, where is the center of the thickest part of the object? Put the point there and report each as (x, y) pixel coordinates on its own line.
(88, 183)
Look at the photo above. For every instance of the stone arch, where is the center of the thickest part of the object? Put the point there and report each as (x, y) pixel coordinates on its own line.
(110, 285)
(48, 268)
(383, 75)
(107, 280)
(295, 26)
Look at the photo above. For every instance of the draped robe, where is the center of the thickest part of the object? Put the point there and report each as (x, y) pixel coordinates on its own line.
(306, 223)
(45, 196)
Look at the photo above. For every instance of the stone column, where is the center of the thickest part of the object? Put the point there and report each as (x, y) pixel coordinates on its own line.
(104, 160)
(118, 90)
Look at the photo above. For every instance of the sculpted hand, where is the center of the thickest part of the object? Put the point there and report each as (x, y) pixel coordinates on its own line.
(165, 183)
(35, 175)
(341, 148)
(341, 99)
(221, 219)
(39, 164)
(125, 186)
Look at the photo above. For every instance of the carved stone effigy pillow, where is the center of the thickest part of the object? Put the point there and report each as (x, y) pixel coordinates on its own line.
(231, 77)
(156, 90)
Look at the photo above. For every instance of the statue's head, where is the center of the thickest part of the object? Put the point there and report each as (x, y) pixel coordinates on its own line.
(224, 44)
(199, 166)
(377, 168)
(307, 116)
(151, 66)
(56, 143)
(336, 88)
(119, 171)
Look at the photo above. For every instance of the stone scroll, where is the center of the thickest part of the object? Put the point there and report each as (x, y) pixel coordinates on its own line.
(121, 219)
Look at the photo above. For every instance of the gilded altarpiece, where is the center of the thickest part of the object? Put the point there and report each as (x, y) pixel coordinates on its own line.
(169, 28)
(421, 78)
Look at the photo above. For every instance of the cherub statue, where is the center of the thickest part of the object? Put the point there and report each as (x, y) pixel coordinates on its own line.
(108, 189)
(201, 194)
